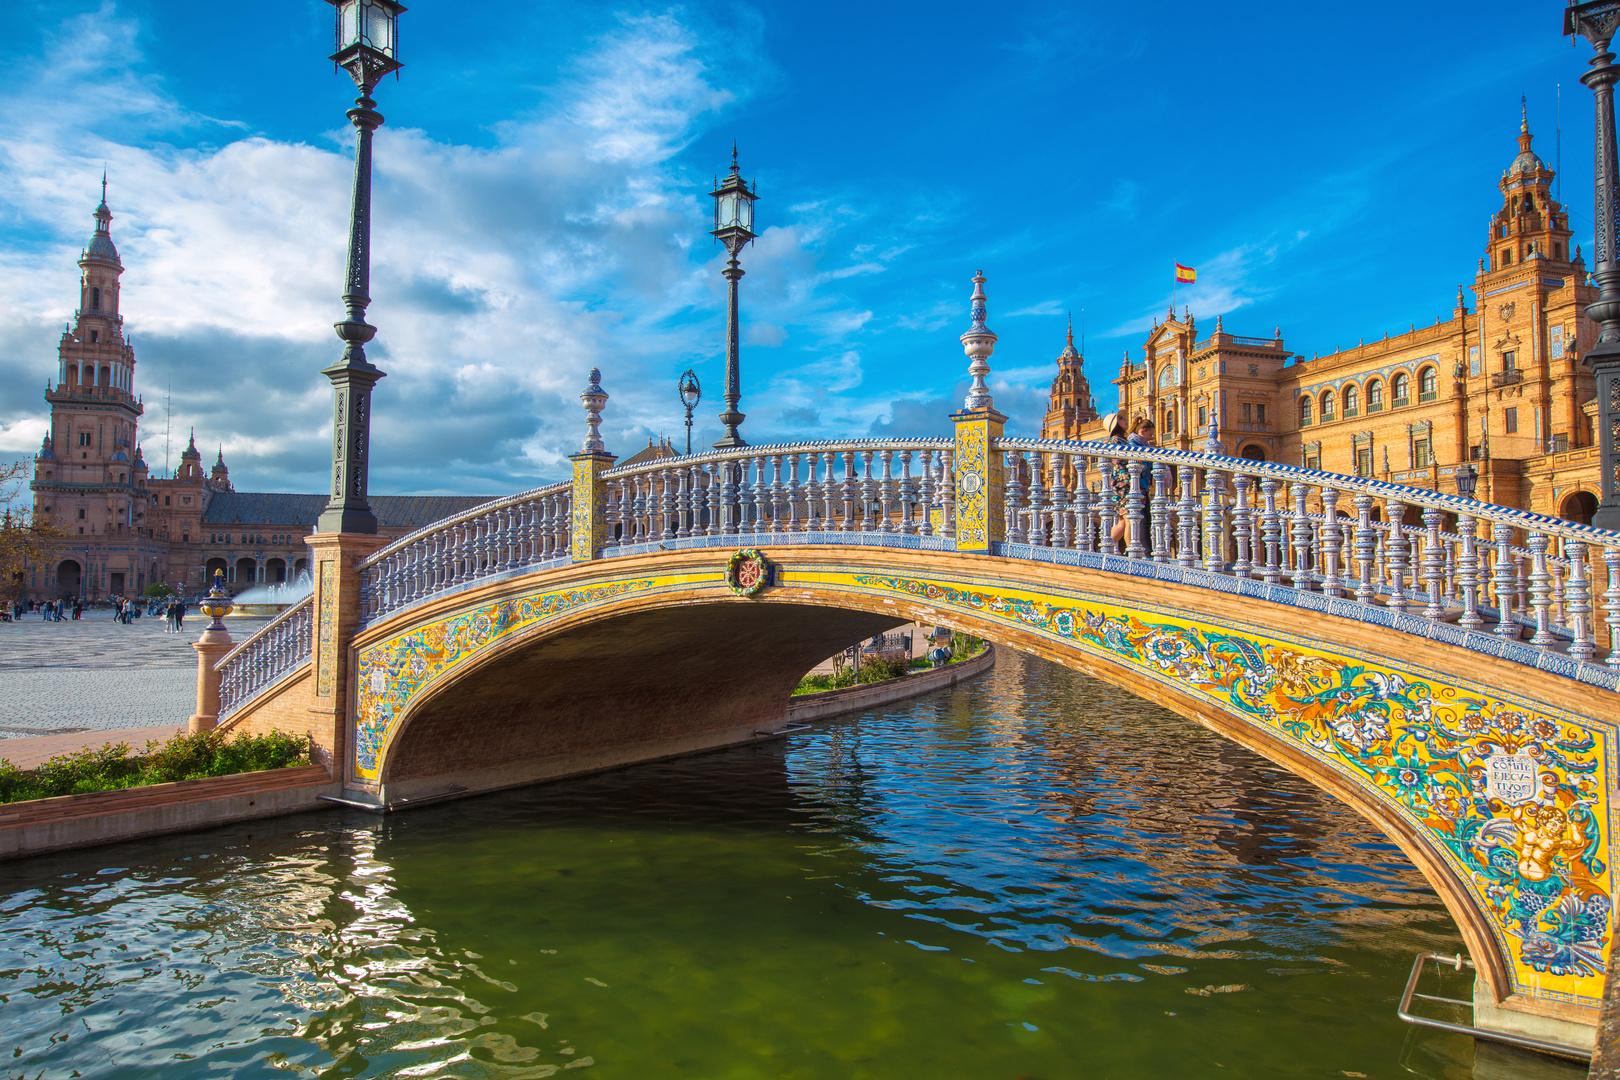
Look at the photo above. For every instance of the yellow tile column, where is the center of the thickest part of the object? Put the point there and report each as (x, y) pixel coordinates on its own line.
(589, 519)
(981, 518)
(336, 559)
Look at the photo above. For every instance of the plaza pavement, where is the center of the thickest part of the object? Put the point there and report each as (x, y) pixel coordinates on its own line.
(66, 685)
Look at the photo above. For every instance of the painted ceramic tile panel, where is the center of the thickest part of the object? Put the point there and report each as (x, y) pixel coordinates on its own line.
(326, 645)
(972, 485)
(391, 673)
(1514, 798)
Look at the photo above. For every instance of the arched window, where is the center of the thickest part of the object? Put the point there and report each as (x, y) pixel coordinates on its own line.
(1401, 387)
(1352, 400)
(1304, 409)
(1327, 405)
(1375, 396)
(1428, 384)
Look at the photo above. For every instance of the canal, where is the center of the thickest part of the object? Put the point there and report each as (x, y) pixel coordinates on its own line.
(1031, 875)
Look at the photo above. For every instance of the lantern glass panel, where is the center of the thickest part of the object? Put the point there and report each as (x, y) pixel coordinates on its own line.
(348, 24)
(745, 213)
(380, 28)
(728, 210)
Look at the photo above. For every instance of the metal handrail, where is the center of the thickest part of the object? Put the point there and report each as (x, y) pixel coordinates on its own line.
(1404, 1011)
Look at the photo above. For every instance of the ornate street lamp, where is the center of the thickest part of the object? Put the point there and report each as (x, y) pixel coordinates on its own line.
(1597, 23)
(1467, 480)
(367, 34)
(691, 394)
(733, 227)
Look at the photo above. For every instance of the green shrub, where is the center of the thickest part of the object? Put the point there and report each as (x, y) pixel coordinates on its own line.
(183, 757)
(874, 669)
(964, 646)
(157, 589)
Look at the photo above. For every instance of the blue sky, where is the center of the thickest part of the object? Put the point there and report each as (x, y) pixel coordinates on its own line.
(541, 205)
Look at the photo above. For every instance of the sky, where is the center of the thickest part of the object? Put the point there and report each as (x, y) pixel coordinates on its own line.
(541, 206)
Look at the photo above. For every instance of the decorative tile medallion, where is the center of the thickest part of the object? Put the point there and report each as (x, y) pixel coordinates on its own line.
(747, 572)
(326, 651)
(1514, 798)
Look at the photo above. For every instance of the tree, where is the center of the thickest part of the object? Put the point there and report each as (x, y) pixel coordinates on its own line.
(26, 538)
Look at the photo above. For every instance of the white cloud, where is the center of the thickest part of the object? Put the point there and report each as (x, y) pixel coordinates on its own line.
(500, 274)
(1045, 307)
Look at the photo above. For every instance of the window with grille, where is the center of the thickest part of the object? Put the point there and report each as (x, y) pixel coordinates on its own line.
(1364, 462)
(1428, 384)
(1304, 411)
(1420, 454)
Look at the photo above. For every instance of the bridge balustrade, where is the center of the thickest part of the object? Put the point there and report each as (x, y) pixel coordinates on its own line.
(1237, 517)
(1416, 551)
(860, 486)
(513, 534)
(279, 648)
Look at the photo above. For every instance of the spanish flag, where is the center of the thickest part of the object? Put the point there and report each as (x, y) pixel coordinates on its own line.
(1185, 273)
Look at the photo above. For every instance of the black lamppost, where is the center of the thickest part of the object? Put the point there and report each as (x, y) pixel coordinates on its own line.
(1597, 23)
(691, 394)
(367, 32)
(733, 227)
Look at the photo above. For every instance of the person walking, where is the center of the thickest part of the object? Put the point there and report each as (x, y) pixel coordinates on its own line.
(1144, 434)
(180, 617)
(1119, 477)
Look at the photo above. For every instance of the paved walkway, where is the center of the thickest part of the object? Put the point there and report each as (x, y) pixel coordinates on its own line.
(96, 676)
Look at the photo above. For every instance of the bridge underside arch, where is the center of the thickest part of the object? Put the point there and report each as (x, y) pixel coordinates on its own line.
(1496, 785)
(620, 688)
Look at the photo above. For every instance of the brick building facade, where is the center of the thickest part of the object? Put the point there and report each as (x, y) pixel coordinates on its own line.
(1500, 385)
(126, 529)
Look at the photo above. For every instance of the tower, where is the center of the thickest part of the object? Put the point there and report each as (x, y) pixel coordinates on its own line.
(85, 477)
(1524, 388)
(1071, 404)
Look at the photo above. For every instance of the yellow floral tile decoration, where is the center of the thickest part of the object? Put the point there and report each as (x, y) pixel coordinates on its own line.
(1515, 800)
(394, 671)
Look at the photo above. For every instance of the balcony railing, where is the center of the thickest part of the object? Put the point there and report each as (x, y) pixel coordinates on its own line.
(1506, 378)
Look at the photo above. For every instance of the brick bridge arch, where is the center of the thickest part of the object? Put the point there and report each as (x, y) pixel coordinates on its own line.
(584, 666)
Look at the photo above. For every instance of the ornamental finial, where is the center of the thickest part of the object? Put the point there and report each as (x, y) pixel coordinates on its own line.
(595, 399)
(978, 343)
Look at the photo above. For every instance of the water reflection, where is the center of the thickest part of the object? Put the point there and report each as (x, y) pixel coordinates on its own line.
(1033, 874)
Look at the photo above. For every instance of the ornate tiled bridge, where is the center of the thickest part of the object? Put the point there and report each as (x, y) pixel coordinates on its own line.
(1446, 667)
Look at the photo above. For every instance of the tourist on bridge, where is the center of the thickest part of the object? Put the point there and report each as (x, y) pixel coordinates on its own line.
(1119, 477)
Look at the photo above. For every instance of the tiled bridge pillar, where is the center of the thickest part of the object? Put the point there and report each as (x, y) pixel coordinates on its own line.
(589, 525)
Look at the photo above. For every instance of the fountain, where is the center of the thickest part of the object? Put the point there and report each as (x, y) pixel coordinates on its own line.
(265, 601)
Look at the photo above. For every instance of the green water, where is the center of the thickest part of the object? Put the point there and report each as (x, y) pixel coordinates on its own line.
(1033, 875)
